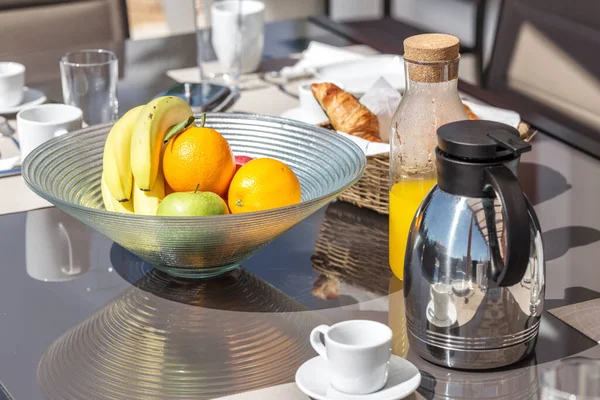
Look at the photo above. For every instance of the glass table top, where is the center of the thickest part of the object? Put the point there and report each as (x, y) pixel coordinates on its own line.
(81, 316)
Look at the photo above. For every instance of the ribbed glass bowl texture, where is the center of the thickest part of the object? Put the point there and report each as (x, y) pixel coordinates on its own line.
(66, 171)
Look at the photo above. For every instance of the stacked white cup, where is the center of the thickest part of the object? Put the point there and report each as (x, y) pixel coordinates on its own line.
(12, 83)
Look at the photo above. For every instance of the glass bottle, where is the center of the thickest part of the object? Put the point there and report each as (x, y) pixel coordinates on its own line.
(430, 100)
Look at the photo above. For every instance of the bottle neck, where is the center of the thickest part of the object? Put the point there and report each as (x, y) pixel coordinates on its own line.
(429, 74)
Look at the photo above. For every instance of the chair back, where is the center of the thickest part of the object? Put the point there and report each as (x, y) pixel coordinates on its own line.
(546, 60)
(36, 25)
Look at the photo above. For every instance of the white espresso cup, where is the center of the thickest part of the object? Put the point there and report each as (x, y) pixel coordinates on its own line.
(243, 55)
(357, 352)
(12, 82)
(441, 294)
(38, 124)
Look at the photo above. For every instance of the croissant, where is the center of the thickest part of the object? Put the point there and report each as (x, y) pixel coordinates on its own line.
(326, 288)
(469, 112)
(345, 112)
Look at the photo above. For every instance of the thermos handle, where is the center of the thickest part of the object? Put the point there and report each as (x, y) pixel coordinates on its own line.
(516, 227)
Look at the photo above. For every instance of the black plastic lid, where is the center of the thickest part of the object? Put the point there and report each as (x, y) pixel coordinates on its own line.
(479, 140)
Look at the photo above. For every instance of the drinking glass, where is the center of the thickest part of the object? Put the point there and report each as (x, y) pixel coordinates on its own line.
(573, 378)
(204, 50)
(233, 32)
(89, 81)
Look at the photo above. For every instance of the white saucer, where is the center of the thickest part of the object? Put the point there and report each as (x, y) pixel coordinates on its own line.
(452, 316)
(302, 115)
(313, 379)
(31, 97)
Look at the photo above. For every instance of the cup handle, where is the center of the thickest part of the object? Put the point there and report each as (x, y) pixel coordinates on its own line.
(430, 313)
(71, 270)
(60, 132)
(315, 340)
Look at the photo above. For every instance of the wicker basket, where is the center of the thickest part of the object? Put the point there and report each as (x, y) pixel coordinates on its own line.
(372, 190)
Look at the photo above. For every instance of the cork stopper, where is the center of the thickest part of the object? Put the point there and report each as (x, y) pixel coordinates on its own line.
(431, 47)
(430, 57)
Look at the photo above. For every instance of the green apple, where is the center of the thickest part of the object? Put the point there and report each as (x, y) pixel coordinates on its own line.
(192, 204)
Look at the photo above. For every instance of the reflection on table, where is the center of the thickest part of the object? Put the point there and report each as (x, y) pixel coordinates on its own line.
(171, 337)
(351, 254)
(56, 246)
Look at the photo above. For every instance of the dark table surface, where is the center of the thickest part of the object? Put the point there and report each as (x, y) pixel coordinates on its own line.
(112, 327)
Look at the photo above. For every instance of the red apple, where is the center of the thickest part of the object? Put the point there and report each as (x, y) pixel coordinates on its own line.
(241, 160)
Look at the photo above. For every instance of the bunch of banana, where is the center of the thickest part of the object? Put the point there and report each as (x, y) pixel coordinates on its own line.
(112, 204)
(132, 179)
(146, 202)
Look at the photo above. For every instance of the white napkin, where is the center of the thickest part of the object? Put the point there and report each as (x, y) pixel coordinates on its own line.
(368, 147)
(190, 75)
(11, 156)
(9, 162)
(489, 113)
(318, 55)
(382, 99)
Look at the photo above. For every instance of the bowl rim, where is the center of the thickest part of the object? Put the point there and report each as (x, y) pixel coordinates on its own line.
(243, 216)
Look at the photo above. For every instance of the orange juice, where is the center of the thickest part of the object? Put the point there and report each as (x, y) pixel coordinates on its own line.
(405, 198)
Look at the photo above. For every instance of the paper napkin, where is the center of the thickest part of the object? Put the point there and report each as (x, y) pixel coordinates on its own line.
(489, 113)
(382, 99)
(318, 55)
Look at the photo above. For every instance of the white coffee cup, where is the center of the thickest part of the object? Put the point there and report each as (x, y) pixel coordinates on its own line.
(38, 124)
(357, 352)
(12, 81)
(308, 102)
(441, 294)
(56, 246)
(225, 34)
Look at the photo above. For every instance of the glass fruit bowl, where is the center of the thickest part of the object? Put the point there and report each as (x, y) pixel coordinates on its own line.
(66, 171)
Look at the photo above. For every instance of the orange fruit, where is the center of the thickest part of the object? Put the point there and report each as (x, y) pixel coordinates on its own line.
(199, 156)
(262, 184)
